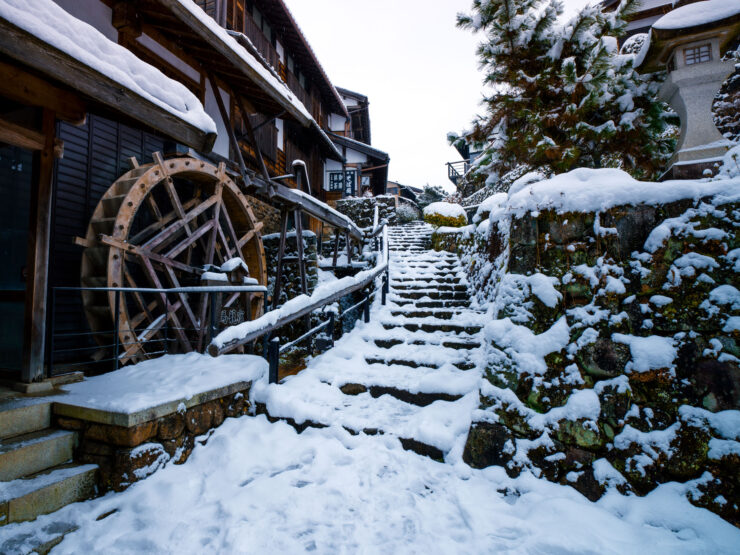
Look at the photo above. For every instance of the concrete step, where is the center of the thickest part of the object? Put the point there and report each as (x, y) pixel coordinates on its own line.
(28, 454)
(46, 492)
(22, 416)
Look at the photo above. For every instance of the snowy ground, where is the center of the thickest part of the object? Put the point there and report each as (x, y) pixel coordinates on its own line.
(257, 487)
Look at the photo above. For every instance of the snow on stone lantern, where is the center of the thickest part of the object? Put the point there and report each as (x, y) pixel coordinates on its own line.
(689, 43)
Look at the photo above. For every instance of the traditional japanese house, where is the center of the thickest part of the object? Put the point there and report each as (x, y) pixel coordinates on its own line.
(228, 94)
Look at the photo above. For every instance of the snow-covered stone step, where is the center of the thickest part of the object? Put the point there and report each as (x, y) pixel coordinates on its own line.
(422, 286)
(45, 492)
(432, 304)
(415, 355)
(23, 415)
(439, 313)
(432, 326)
(396, 336)
(31, 453)
(430, 430)
(432, 294)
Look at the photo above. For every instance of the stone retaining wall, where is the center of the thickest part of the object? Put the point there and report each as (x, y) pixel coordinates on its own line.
(609, 286)
(361, 210)
(127, 454)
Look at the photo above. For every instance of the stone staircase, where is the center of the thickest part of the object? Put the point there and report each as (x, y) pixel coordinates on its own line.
(412, 371)
(37, 475)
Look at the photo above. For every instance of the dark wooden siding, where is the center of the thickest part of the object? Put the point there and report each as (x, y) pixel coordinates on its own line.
(95, 155)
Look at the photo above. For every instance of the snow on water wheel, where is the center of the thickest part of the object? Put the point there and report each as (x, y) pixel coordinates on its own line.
(158, 226)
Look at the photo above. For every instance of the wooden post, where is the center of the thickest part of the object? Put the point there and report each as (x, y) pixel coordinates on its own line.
(252, 136)
(34, 339)
(349, 249)
(299, 247)
(336, 249)
(281, 253)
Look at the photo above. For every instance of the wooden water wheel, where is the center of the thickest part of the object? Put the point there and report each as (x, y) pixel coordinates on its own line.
(159, 226)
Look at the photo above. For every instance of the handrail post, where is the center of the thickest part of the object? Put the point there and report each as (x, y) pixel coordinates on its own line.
(331, 327)
(166, 326)
(273, 358)
(366, 310)
(212, 299)
(117, 317)
(384, 290)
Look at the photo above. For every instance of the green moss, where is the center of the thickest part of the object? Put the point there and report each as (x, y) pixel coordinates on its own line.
(446, 221)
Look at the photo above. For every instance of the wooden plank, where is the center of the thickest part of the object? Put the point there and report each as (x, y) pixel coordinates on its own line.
(21, 86)
(168, 232)
(185, 243)
(23, 137)
(39, 239)
(30, 50)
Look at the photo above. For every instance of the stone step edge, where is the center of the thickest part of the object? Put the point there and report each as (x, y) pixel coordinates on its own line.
(34, 496)
(409, 444)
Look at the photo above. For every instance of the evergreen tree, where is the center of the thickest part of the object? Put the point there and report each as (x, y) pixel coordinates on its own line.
(430, 194)
(563, 96)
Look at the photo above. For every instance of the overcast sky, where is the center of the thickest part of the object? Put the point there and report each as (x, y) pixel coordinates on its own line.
(418, 70)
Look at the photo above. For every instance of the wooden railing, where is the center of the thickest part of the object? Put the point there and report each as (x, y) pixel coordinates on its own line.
(260, 41)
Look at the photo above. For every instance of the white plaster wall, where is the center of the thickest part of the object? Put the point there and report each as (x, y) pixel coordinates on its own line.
(336, 122)
(93, 12)
(168, 56)
(222, 141)
(333, 166)
(349, 101)
(354, 157)
(280, 51)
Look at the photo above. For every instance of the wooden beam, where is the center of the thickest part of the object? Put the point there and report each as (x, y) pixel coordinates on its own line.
(21, 86)
(23, 137)
(30, 50)
(34, 338)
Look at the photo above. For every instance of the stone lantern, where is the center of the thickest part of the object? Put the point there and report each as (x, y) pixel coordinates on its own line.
(689, 43)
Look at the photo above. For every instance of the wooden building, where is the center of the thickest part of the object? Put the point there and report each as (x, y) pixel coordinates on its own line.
(230, 94)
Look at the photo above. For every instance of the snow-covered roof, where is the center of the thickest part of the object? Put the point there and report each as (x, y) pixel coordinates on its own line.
(58, 30)
(699, 13)
(226, 44)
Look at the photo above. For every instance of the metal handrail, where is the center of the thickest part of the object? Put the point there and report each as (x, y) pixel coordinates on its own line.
(271, 323)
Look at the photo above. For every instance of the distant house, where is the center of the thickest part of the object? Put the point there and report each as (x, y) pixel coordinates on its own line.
(365, 169)
(403, 191)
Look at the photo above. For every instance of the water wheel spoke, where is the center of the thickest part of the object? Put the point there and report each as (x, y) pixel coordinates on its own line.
(188, 241)
(154, 207)
(211, 249)
(159, 224)
(145, 314)
(147, 335)
(183, 298)
(249, 235)
(144, 253)
(230, 301)
(175, 199)
(179, 331)
(230, 228)
(169, 232)
(229, 253)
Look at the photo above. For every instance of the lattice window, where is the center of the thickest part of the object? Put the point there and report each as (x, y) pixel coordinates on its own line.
(697, 54)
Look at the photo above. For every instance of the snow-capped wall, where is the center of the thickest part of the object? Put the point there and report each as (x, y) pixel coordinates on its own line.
(614, 340)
